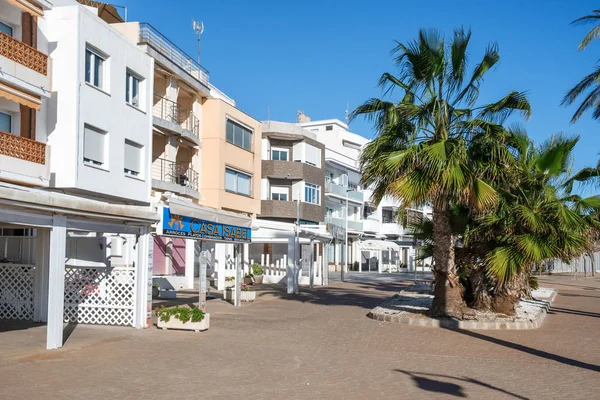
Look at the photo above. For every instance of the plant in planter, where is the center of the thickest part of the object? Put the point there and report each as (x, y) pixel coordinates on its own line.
(182, 318)
(257, 271)
(246, 294)
(229, 282)
(155, 291)
(249, 279)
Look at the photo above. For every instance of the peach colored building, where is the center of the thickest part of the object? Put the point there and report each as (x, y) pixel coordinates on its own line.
(231, 158)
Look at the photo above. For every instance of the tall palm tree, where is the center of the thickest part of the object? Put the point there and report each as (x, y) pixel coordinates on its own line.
(590, 84)
(421, 153)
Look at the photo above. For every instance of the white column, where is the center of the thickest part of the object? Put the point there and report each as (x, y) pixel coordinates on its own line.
(169, 256)
(238, 274)
(220, 262)
(290, 265)
(190, 258)
(56, 282)
(40, 296)
(311, 265)
(245, 257)
(379, 261)
(143, 278)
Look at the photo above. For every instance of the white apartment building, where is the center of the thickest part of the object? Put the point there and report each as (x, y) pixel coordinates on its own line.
(75, 137)
(376, 238)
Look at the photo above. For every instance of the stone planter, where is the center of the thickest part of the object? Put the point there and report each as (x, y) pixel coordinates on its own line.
(247, 295)
(174, 323)
(248, 280)
(258, 279)
(168, 294)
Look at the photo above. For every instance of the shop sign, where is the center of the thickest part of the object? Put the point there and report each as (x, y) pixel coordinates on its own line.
(194, 228)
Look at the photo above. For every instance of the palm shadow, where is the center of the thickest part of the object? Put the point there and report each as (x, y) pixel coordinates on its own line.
(431, 385)
(529, 350)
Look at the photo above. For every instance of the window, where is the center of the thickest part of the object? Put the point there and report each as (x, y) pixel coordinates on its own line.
(238, 135)
(5, 122)
(387, 216)
(237, 182)
(312, 193)
(329, 127)
(6, 29)
(94, 143)
(133, 158)
(94, 68)
(279, 193)
(132, 89)
(279, 154)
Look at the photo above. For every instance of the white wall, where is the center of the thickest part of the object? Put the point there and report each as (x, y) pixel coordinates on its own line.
(68, 29)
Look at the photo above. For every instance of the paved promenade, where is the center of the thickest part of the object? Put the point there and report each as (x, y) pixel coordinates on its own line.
(319, 345)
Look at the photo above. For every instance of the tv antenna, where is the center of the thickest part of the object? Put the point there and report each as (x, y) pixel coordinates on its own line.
(199, 29)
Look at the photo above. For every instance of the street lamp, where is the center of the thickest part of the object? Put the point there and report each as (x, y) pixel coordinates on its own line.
(346, 238)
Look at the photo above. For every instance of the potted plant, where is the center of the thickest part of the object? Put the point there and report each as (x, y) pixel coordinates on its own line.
(257, 271)
(249, 279)
(155, 291)
(246, 294)
(193, 319)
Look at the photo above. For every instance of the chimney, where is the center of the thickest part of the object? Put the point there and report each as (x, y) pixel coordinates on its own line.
(302, 117)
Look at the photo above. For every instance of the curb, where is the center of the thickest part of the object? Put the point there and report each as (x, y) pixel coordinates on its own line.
(472, 325)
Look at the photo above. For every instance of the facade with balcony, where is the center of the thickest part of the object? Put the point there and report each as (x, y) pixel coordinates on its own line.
(75, 138)
(24, 93)
(344, 199)
(292, 169)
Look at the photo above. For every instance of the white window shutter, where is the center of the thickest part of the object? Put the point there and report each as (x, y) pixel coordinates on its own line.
(93, 143)
(132, 156)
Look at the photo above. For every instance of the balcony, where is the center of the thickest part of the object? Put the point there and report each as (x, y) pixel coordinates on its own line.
(356, 226)
(153, 38)
(391, 228)
(175, 177)
(176, 117)
(22, 148)
(24, 160)
(339, 191)
(23, 54)
(286, 210)
(371, 225)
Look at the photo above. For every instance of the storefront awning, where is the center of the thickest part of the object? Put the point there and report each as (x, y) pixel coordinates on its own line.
(209, 214)
(29, 6)
(377, 245)
(21, 97)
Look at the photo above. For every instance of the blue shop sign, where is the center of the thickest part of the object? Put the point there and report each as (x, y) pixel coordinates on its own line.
(190, 227)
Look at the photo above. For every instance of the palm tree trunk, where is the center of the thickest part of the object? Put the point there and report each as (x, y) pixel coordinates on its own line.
(447, 300)
(506, 298)
(481, 296)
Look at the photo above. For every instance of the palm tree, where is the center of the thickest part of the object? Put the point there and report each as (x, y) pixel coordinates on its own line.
(537, 218)
(590, 83)
(421, 153)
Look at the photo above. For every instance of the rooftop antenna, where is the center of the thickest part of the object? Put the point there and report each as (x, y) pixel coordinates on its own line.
(199, 29)
(347, 115)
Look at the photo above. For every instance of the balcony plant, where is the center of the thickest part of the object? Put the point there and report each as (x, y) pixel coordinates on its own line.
(257, 271)
(179, 317)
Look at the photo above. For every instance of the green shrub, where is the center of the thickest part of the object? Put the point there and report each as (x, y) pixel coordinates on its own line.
(183, 314)
(257, 269)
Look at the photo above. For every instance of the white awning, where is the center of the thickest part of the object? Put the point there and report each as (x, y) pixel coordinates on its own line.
(190, 209)
(377, 245)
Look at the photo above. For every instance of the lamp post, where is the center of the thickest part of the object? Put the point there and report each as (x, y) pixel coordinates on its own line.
(346, 238)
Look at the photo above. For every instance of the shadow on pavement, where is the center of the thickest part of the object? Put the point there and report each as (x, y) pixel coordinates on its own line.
(432, 385)
(558, 310)
(7, 325)
(529, 350)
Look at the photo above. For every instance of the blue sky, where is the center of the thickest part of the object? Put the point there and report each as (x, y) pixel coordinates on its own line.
(318, 55)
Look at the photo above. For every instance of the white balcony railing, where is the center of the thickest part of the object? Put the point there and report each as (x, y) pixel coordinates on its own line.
(352, 225)
(340, 190)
